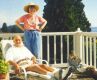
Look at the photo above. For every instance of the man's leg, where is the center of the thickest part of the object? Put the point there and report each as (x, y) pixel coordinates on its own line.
(48, 68)
(37, 68)
(68, 73)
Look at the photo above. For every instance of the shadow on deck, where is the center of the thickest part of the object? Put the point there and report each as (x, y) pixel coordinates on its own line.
(73, 76)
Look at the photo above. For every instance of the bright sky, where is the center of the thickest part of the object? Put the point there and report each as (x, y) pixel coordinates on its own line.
(10, 10)
(91, 11)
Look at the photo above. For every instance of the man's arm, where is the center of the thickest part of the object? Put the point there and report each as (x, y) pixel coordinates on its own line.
(15, 65)
(33, 59)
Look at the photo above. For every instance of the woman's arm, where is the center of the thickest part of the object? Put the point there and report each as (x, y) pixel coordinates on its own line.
(43, 23)
(18, 25)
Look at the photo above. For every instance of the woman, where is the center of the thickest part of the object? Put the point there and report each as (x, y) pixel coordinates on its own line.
(33, 25)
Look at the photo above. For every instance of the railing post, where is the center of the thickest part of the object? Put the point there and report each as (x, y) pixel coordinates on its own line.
(78, 43)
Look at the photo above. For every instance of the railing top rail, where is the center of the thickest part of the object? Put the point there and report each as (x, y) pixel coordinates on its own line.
(9, 34)
(43, 33)
(57, 33)
(89, 34)
(92, 34)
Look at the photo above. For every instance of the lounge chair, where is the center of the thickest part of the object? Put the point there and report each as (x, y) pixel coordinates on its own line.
(6, 44)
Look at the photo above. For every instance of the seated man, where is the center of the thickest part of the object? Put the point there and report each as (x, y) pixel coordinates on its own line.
(74, 62)
(19, 55)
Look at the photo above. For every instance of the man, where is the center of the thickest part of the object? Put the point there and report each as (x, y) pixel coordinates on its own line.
(19, 55)
(74, 62)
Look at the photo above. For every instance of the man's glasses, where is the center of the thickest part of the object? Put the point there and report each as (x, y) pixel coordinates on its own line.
(17, 39)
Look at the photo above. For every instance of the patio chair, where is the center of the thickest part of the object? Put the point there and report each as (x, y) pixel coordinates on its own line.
(6, 44)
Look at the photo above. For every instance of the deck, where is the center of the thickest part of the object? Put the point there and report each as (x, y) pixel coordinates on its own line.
(84, 44)
(73, 76)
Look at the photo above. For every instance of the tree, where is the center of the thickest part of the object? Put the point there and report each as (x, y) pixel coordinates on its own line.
(4, 28)
(65, 15)
(14, 29)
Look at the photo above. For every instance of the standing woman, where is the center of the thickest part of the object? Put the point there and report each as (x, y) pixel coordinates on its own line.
(33, 25)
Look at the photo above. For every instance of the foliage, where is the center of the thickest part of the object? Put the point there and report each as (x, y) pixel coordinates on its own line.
(14, 29)
(4, 28)
(65, 15)
(4, 66)
(10, 29)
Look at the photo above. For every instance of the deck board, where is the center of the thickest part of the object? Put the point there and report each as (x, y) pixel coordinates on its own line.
(73, 76)
(79, 77)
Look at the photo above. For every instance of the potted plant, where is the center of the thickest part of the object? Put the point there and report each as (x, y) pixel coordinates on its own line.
(4, 67)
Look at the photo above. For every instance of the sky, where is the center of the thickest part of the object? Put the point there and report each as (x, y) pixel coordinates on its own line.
(10, 10)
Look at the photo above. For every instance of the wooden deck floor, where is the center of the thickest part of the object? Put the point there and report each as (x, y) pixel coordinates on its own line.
(75, 76)
(71, 77)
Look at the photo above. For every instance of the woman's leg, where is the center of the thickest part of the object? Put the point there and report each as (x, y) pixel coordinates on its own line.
(33, 42)
(36, 44)
(27, 39)
(37, 68)
(48, 68)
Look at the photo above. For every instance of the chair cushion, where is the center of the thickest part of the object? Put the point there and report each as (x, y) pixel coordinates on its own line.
(39, 75)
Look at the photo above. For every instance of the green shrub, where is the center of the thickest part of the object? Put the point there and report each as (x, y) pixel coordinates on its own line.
(4, 66)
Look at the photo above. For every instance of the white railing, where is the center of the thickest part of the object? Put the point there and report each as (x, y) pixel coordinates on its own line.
(57, 46)
(89, 48)
(86, 47)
